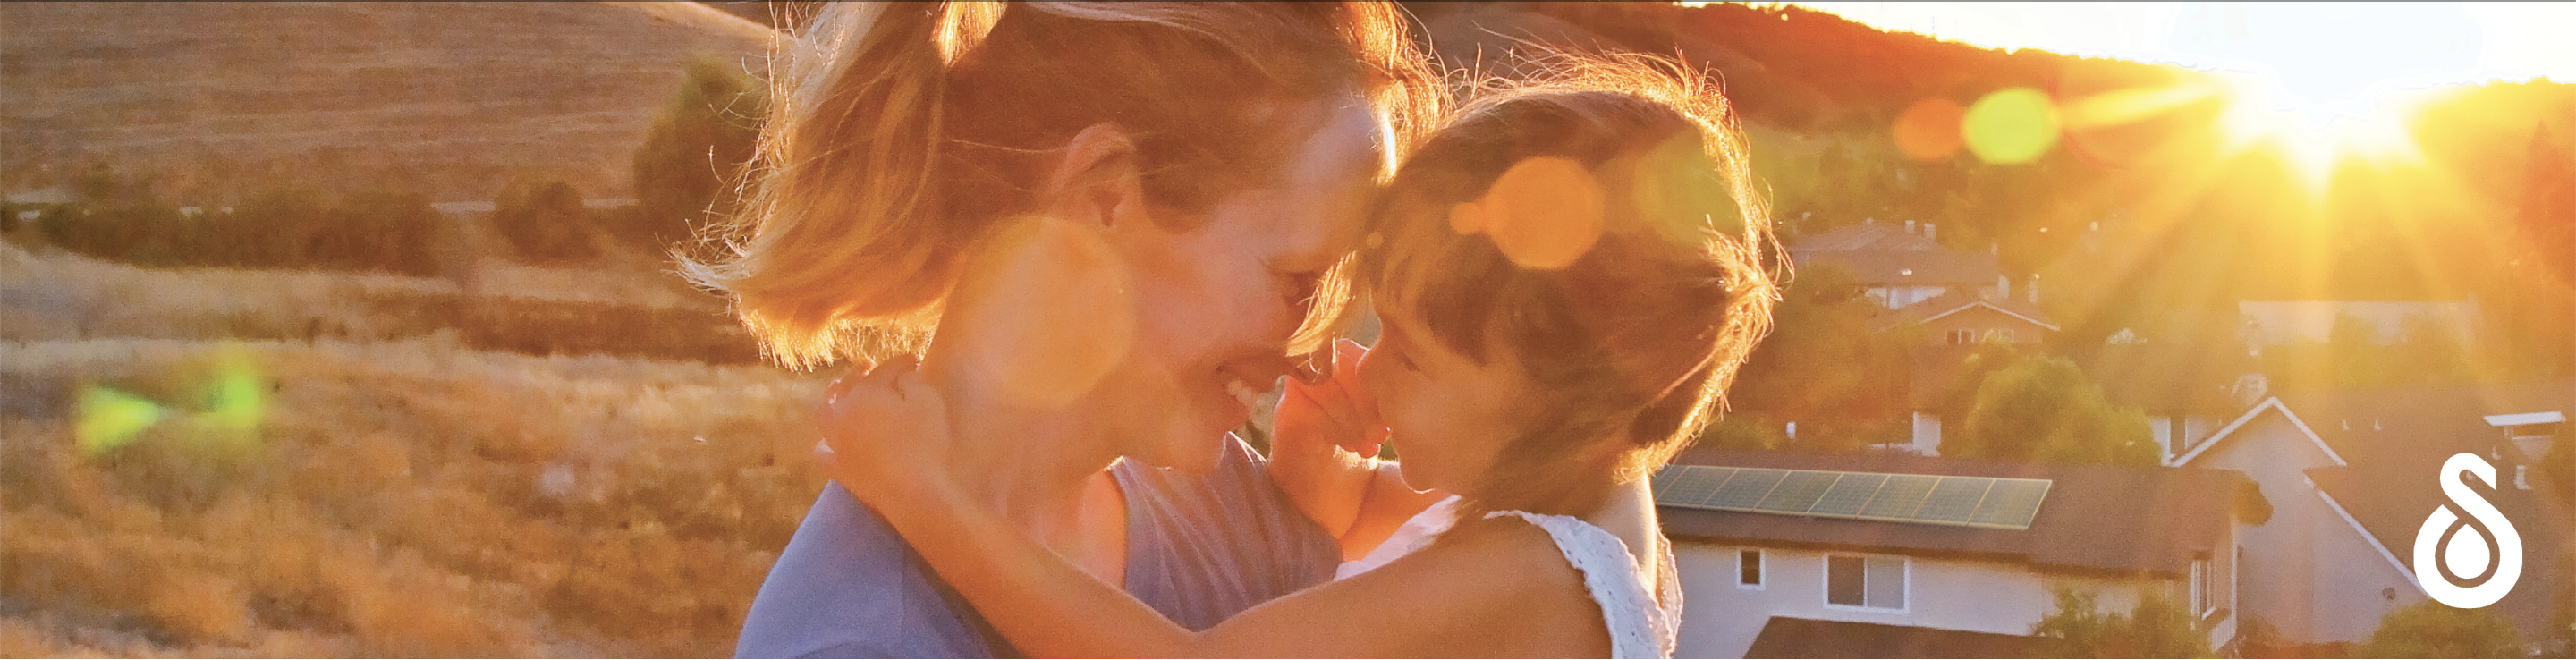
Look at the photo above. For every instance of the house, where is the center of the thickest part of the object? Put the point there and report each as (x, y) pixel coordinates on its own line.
(2283, 322)
(1889, 554)
(1953, 301)
(2352, 477)
(2187, 389)
(1962, 317)
(1898, 267)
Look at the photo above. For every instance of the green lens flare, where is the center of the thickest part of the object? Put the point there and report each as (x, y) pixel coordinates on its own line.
(2010, 126)
(238, 398)
(108, 418)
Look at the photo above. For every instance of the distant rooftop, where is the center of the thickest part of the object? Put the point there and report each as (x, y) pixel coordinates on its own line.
(2094, 517)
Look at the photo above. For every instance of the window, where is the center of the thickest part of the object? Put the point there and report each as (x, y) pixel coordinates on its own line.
(2201, 594)
(1871, 582)
(1748, 568)
(1963, 337)
(2000, 335)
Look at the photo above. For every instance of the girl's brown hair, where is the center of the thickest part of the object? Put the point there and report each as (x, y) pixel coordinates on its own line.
(1648, 325)
(901, 132)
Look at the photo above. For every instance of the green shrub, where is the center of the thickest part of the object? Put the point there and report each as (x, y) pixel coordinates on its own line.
(689, 165)
(2156, 628)
(544, 221)
(2433, 630)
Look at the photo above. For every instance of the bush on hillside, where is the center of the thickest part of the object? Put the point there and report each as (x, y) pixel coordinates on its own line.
(690, 165)
(544, 221)
(386, 231)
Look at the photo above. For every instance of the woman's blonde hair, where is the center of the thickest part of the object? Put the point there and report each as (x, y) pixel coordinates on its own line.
(900, 132)
(1647, 326)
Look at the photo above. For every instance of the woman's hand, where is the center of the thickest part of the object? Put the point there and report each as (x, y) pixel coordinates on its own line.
(885, 434)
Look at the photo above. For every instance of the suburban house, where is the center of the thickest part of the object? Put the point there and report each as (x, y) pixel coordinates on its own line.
(1898, 266)
(2187, 389)
(1965, 317)
(2281, 322)
(1888, 554)
(2352, 477)
(1954, 302)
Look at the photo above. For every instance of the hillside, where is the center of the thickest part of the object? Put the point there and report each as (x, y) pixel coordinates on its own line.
(211, 101)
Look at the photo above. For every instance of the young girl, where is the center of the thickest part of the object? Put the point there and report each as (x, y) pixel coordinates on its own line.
(1567, 276)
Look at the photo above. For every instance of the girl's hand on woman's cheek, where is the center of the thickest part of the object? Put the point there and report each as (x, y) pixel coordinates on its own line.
(1336, 413)
(885, 434)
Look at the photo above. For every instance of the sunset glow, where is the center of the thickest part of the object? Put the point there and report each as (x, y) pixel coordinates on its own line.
(2319, 81)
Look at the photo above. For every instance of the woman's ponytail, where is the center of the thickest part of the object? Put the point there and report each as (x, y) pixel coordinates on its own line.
(847, 176)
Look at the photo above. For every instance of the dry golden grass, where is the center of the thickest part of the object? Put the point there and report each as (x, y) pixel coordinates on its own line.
(406, 494)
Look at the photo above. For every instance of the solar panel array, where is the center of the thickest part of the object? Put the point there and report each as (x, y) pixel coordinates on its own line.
(1917, 498)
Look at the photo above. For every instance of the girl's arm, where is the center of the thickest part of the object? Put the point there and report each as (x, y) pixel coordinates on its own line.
(1505, 591)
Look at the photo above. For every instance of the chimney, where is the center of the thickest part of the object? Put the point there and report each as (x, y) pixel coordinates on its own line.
(1995, 248)
(1928, 234)
(1909, 226)
(2034, 288)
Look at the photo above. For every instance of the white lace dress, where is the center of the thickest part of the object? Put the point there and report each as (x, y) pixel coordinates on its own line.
(1642, 623)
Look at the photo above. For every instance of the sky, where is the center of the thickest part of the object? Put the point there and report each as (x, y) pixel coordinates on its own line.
(2324, 55)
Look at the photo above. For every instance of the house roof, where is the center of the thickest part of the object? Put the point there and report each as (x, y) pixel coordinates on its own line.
(2394, 442)
(1886, 254)
(1785, 637)
(1956, 301)
(2165, 376)
(2092, 520)
(1909, 267)
(1864, 236)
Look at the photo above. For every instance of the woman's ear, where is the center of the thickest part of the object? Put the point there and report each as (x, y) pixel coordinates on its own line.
(1096, 182)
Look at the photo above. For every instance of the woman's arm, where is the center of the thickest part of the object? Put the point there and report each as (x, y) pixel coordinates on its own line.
(1485, 595)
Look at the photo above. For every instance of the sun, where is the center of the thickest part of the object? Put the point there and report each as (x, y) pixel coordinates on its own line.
(2318, 137)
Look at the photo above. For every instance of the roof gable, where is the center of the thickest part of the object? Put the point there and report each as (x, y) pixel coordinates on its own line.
(2271, 404)
(1957, 302)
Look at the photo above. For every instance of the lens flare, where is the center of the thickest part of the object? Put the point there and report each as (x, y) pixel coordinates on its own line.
(1929, 131)
(2010, 126)
(1544, 213)
(108, 418)
(237, 399)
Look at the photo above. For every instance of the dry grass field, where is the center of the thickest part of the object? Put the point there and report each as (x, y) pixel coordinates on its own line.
(339, 464)
(211, 101)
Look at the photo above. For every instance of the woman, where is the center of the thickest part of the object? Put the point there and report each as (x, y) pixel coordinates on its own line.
(1099, 224)
(1567, 276)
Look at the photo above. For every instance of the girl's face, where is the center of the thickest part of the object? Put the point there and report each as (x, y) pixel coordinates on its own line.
(1449, 415)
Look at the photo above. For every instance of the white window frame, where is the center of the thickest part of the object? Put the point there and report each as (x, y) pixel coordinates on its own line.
(2204, 587)
(1762, 569)
(1961, 337)
(1904, 573)
(2199, 588)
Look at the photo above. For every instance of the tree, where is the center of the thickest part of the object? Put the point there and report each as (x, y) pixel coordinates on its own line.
(544, 221)
(2433, 630)
(701, 142)
(2156, 628)
(380, 230)
(2043, 409)
(1820, 367)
